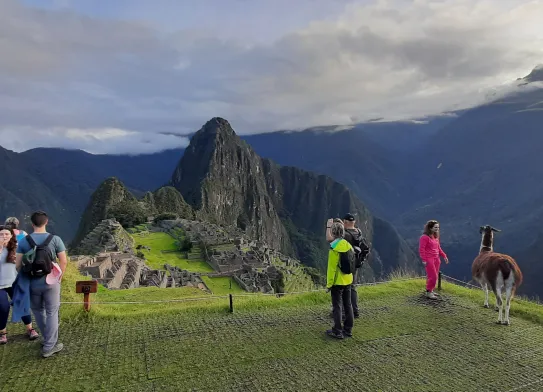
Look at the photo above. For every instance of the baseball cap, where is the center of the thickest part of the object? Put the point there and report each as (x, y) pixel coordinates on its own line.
(349, 217)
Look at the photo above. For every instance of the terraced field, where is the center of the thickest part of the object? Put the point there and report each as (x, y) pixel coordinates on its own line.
(298, 280)
(402, 342)
(156, 258)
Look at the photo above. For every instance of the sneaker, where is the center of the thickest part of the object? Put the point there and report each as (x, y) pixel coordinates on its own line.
(334, 334)
(3, 338)
(430, 295)
(54, 350)
(347, 334)
(32, 334)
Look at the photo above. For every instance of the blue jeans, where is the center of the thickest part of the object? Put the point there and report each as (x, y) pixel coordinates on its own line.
(5, 305)
(45, 303)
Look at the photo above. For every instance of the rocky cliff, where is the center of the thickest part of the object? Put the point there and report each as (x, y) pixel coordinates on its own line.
(222, 178)
(112, 200)
(107, 236)
(109, 194)
(226, 182)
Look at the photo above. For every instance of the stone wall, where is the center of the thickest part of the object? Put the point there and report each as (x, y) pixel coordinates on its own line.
(107, 236)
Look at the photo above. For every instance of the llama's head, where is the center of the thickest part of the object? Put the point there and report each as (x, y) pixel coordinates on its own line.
(487, 229)
(487, 240)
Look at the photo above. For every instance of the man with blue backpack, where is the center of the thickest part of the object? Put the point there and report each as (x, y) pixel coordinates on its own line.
(40, 278)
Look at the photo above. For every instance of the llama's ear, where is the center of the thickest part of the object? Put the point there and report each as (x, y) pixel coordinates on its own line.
(496, 230)
(481, 229)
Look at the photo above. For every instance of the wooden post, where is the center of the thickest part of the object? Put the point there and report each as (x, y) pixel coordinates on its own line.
(231, 303)
(439, 281)
(86, 287)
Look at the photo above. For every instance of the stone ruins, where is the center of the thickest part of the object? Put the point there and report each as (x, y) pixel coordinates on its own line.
(110, 259)
(230, 253)
(116, 270)
(107, 236)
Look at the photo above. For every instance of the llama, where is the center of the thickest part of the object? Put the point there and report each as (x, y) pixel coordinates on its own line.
(498, 271)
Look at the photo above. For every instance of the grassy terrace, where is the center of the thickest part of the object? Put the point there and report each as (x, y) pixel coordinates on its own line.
(402, 342)
(156, 259)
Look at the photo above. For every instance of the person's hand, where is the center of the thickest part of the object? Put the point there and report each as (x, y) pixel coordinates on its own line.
(424, 263)
(446, 260)
(329, 222)
(328, 290)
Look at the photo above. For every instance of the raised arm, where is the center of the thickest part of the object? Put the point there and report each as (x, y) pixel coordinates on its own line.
(329, 237)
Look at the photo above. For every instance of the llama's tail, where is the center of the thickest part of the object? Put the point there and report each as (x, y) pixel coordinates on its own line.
(510, 266)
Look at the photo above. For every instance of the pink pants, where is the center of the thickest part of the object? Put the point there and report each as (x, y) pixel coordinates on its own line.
(432, 270)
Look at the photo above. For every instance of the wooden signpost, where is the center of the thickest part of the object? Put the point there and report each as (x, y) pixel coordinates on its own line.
(86, 287)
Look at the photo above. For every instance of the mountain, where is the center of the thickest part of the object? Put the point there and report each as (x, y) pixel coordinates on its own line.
(112, 199)
(109, 194)
(62, 181)
(349, 156)
(21, 193)
(226, 182)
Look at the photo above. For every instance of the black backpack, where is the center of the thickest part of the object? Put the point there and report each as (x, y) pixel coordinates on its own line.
(347, 262)
(38, 262)
(360, 247)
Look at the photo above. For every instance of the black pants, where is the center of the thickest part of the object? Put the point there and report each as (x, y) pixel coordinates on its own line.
(341, 295)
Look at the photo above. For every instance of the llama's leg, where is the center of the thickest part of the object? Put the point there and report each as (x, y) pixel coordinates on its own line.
(499, 303)
(485, 289)
(508, 295)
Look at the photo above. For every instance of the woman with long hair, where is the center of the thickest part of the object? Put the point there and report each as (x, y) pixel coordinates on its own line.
(430, 252)
(8, 274)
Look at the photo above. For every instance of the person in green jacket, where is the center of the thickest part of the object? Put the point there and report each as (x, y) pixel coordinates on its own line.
(339, 284)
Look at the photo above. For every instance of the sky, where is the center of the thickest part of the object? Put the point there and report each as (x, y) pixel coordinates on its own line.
(137, 76)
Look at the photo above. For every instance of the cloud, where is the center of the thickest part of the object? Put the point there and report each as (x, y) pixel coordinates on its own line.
(393, 60)
(92, 140)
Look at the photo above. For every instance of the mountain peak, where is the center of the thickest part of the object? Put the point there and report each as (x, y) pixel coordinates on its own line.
(218, 126)
(536, 75)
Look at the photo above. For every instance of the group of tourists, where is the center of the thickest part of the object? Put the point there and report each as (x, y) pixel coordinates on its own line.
(30, 277)
(347, 253)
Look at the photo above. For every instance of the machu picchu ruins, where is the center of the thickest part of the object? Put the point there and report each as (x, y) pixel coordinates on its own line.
(109, 254)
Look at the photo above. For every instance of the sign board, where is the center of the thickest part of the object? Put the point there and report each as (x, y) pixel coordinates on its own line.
(86, 286)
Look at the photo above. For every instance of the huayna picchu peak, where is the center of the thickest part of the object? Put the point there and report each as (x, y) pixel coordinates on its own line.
(227, 183)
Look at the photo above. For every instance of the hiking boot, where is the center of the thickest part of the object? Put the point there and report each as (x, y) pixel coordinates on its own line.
(32, 334)
(430, 295)
(347, 334)
(54, 350)
(3, 338)
(334, 334)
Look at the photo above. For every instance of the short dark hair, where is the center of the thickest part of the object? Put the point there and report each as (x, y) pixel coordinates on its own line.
(349, 217)
(39, 218)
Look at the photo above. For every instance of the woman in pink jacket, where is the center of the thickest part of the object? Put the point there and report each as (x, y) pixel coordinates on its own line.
(430, 251)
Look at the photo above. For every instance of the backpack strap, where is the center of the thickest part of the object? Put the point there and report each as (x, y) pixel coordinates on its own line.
(47, 240)
(31, 241)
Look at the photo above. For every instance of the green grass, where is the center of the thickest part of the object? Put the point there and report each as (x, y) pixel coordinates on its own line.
(156, 259)
(221, 285)
(402, 342)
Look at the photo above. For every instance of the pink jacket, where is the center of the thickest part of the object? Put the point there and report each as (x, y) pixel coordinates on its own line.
(429, 248)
